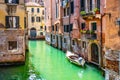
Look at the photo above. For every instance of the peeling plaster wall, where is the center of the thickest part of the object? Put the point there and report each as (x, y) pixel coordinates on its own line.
(112, 40)
(12, 55)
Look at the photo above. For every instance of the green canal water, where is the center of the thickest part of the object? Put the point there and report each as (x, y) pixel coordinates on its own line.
(47, 63)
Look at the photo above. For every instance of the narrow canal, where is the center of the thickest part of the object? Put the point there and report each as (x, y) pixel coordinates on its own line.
(47, 63)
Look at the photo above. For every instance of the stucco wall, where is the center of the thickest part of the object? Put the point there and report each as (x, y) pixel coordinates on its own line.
(20, 11)
(7, 55)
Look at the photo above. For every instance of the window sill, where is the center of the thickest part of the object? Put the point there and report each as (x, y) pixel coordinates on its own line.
(12, 28)
(65, 17)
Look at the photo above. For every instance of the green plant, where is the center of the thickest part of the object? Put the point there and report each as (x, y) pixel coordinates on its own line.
(90, 32)
(96, 9)
(82, 12)
(83, 31)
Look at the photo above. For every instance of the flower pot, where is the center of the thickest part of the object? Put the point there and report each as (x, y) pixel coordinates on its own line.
(97, 12)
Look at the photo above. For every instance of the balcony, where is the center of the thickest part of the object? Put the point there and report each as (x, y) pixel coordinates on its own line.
(90, 12)
(12, 6)
(42, 3)
(89, 34)
(12, 2)
(64, 3)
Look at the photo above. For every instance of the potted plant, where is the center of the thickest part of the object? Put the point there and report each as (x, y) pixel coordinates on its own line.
(96, 10)
(90, 32)
(83, 31)
(82, 13)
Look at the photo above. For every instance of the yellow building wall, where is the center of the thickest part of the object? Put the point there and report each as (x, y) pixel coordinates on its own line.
(35, 14)
(19, 12)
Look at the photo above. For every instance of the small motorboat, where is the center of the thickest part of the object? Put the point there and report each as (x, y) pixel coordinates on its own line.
(75, 58)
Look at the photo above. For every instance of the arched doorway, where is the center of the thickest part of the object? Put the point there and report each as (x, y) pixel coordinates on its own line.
(94, 53)
(33, 33)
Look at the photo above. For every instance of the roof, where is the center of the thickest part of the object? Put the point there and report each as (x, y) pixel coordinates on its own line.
(32, 4)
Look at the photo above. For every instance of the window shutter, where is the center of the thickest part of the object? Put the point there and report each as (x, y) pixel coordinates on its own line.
(45, 28)
(82, 25)
(17, 22)
(91, 5)
(25, 22)
(72, 7)
(71, 27)
(82, 3)
(33, 19)
(68, 28)
(94, 26)
(52, 28)
(17, 1)
(64, 28)
(56, 28)
(7, 21)
(98, 4)
(6, 1)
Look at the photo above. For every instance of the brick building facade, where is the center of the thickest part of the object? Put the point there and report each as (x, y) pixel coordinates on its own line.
(89, 28)
(12, 31)
(112, 39)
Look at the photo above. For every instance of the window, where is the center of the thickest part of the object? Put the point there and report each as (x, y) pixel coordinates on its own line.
(52, 28)
(12, 45)
(65, 40)
(83, 44)
(72, 7)
(82, 5)
(38, 10)
(45, 28)
(68, 9)
(93, 26)
(53, 36)
(32, 9)
(41, 27)
(25, 22)
(42, 17)
(12, 1)
(98, 4)
(71, 27)
(73, 42)
(56, 28)
(42, 12)
(91, 5)
(64, 11)
(41, 33)
(82, 26)
(57, 10)
(66, 28)
(12, 22)
(32, 19)
(37, 19)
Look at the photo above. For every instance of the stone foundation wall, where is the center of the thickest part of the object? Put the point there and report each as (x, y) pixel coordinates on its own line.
(112, 65)
(16, 55)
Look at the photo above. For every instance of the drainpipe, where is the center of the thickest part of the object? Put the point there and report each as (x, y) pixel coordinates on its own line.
(102, 16)
(69, 25)
(51, 20)
(101, 30)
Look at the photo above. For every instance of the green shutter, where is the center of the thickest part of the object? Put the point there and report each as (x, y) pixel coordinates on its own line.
(7, 21)
(17, 22)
